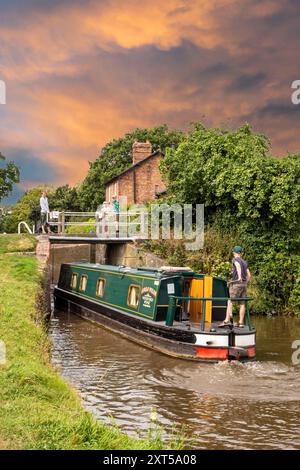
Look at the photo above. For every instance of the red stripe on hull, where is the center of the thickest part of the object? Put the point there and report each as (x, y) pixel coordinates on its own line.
(251, 352)
(212, 353)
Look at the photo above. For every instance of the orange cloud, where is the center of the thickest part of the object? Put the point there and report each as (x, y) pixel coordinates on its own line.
(48, 40)
(79, 74)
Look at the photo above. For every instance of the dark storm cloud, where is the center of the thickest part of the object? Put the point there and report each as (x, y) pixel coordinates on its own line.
(31, 167)
(247, 82)
(283, 110)
(16, 194)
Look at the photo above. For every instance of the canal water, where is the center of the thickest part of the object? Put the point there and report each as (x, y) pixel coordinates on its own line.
(220, 406)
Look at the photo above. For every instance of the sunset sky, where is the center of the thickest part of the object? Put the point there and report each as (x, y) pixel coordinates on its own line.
(81, 72)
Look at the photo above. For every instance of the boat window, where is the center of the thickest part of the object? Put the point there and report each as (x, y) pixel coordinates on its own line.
(73, 283)
(133, 296)
(100, 287)
(83, 283)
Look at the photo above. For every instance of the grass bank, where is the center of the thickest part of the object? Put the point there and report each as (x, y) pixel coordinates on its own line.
(38, 409)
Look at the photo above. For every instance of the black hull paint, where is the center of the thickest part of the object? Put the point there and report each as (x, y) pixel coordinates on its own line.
(172, 343)
(167, 340)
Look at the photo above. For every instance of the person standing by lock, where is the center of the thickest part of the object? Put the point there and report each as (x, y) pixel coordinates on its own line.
(237, 286)
(44, 211)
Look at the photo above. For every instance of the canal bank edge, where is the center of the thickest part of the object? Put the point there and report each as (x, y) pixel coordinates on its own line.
(39, 410)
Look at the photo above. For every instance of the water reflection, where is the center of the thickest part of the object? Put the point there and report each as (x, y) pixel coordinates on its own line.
(225, 405)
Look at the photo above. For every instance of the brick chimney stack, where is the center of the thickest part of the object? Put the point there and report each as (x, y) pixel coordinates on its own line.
(140, 150)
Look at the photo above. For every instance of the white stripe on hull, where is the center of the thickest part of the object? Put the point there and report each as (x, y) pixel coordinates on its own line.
(212, 340)
(245, 340)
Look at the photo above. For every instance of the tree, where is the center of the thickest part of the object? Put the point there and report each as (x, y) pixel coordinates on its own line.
(116, 156)
(9, 175)
(231, 172)
(64, 198)
(201, 168)
(27, 209)
(23, 210)
(248, 192)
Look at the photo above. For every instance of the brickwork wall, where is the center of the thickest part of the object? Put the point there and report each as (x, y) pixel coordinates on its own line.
(111, 190)
(147, 178)
(126, 186)
(140, 150)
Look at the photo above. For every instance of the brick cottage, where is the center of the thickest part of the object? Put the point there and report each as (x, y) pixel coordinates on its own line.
(141, 182)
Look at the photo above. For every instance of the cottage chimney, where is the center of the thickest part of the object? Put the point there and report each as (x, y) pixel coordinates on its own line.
(140, 150)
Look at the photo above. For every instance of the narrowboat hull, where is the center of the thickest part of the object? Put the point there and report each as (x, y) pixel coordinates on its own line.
(212, 345)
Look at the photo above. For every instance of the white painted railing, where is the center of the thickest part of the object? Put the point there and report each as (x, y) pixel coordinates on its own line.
(21, 224)
(107, 226)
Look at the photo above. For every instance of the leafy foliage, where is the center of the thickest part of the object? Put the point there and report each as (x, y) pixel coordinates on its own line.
(9, 175)
(246, 190)
(23, 210)
(87, 229)
(64, 198)
(116, 156)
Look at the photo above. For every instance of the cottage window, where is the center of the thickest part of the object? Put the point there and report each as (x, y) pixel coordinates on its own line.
(133, 296)
(73, 283)
(83, 283)
(100, 287)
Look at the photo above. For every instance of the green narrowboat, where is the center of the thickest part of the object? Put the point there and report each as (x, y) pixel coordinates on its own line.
(172, 310)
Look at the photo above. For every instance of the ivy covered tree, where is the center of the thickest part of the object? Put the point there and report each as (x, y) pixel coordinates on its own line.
(233, 173)
(116, 156)
(9, 175)
(248, 192)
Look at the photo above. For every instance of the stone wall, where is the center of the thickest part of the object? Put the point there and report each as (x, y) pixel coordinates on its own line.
(126, 254)
(129, 254)
(60, 254)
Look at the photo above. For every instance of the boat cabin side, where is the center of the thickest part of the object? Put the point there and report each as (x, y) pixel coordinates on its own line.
(145, 292)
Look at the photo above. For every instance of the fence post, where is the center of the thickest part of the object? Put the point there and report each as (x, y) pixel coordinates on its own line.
(171, 311)
(63, 222)
(142, 224)
(58, 223)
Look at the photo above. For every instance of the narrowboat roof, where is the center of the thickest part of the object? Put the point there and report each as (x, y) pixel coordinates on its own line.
(143, 271)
